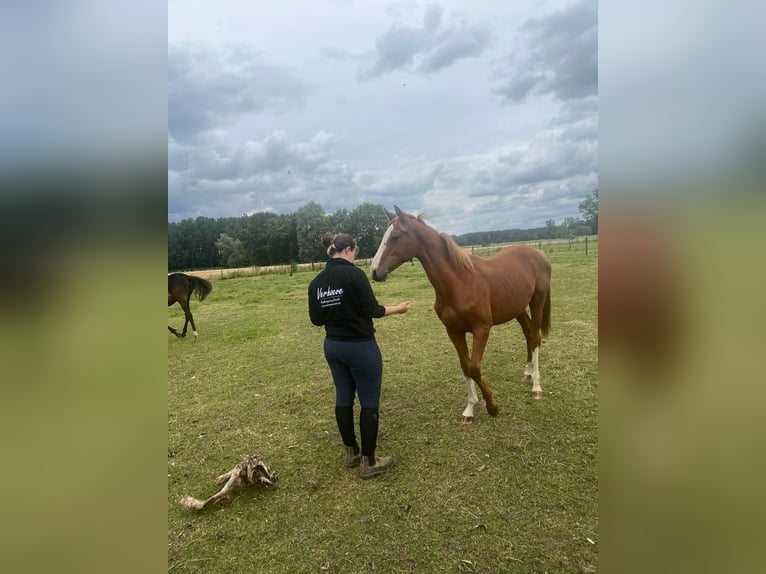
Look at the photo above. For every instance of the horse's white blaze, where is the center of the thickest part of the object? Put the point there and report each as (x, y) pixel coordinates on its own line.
(536, 372)
(472, 397)
(381, 249)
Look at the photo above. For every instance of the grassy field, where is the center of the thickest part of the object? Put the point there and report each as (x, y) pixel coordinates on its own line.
(515, 493)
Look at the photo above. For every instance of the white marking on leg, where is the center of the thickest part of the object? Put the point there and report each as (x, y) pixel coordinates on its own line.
(472, 397)
(537, 391)
(529, 369)
(381, 249)
(195, 335)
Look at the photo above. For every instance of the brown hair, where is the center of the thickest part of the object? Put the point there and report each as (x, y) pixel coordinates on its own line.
(337, 243)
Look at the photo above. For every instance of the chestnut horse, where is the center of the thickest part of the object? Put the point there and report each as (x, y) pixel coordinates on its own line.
(180, 289)
(473, 294)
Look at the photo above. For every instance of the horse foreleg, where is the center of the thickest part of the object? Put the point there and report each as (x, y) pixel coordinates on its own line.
(172, 330)
(480, 338)
(458, 340)
(472, 400)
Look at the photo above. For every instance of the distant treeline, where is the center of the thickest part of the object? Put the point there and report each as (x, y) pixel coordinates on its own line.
(553, 231)
(265, 239)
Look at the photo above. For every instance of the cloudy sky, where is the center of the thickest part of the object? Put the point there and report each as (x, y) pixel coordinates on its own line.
(482, 114)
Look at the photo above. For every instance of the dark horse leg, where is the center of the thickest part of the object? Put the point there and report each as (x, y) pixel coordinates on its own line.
(471, 368)
(188, 317)
(184, 303)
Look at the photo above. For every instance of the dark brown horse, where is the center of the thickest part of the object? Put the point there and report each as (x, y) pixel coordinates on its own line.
(181, 287)
(473, 294)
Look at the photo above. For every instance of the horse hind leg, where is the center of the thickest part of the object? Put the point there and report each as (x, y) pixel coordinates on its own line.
(187, 319)
(532, 369)
(534, 342)
(194, 328)
(537, 391)
(188, 314)
(171, 301)
(526, 327)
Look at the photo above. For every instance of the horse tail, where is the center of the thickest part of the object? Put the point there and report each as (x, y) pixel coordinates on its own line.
(201, 286)
(545, 328)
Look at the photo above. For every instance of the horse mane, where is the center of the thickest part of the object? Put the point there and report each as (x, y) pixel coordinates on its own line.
(457, 257)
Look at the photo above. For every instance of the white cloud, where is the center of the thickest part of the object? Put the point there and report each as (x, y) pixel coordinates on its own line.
(557, 54)
(399, 106)
(214, 86)
(436, 44)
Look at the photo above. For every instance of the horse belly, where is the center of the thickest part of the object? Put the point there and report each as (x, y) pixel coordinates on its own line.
(505, 315)
(510, 296)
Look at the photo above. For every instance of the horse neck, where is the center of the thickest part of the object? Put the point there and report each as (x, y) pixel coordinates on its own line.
(435, 262)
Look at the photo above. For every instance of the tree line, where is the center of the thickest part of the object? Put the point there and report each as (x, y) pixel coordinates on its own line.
(263, 239)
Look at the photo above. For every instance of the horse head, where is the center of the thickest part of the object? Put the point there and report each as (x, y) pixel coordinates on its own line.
(399, 244)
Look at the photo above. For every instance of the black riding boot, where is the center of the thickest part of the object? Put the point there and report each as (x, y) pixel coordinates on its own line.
(372, 465)
(344, 416)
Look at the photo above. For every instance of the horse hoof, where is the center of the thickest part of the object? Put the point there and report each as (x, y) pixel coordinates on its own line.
(537, 395)
(527, 378)
(466, 420)
(493, 410)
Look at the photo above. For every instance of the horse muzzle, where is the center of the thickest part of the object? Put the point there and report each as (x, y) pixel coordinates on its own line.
(379, 275)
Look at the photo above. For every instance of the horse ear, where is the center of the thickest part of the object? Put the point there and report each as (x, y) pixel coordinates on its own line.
(390, 215)
(403, 220)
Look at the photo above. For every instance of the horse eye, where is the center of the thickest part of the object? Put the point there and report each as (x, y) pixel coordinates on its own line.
(394, 237)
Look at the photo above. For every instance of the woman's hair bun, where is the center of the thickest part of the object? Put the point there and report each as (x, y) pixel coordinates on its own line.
(327, 239)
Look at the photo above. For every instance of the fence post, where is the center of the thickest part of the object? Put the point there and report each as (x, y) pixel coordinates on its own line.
(586, 245)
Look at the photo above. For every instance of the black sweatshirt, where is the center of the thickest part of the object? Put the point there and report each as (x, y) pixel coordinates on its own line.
(341, 299)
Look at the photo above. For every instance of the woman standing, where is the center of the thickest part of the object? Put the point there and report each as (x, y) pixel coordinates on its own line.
(341, 300)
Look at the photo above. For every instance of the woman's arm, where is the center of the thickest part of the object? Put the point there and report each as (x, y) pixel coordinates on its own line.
(400, 308)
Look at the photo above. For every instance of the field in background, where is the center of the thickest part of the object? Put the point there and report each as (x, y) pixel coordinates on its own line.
(515, 493)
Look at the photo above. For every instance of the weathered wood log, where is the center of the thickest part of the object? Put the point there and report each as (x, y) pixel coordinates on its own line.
(252, 471)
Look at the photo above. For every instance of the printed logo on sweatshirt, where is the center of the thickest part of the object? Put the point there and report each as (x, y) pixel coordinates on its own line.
(329, 297)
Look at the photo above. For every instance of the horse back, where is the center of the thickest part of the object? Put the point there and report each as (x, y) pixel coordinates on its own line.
(521, 261)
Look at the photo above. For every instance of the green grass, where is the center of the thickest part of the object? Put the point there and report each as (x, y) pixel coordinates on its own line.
(515, 493)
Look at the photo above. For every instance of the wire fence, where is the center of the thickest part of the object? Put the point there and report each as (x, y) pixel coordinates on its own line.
(584, 244)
